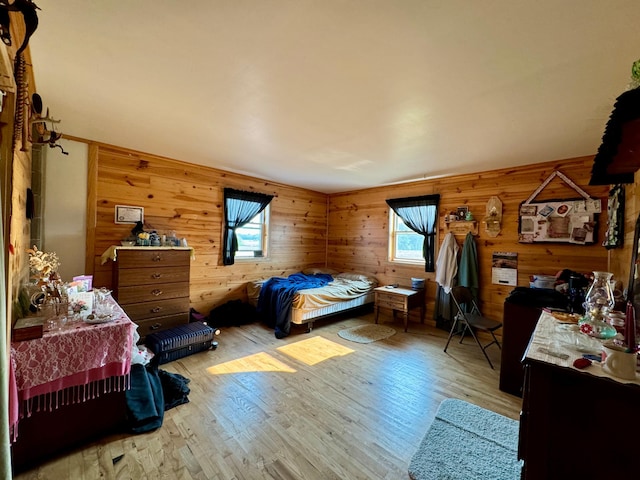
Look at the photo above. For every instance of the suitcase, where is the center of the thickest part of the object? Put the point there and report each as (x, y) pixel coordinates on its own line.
(180, 341)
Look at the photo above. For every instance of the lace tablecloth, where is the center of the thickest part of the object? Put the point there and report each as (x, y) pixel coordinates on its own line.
(66, 366)
(551, 343)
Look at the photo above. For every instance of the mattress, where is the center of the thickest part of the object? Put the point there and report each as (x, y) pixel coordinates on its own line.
(346, 291)
(301, 316)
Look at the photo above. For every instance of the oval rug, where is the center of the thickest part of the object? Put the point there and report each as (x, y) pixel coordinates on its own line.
(366, 333)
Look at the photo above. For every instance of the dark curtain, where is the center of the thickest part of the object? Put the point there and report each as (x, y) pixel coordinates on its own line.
(239, 208)
(420, 214)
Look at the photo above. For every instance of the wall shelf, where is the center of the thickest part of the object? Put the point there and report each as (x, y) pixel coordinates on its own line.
(462, 227)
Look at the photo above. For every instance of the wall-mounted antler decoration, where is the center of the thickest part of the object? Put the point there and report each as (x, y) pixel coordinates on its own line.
(39, 134)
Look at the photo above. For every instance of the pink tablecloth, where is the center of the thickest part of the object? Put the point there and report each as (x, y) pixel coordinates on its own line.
(65, 366)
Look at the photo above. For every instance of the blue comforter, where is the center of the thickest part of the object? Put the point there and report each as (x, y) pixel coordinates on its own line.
(276, 297)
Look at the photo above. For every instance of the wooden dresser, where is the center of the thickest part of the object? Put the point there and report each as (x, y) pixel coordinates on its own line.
(575, 423)
(152, 286)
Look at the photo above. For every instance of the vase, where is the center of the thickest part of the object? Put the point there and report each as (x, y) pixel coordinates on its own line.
(598, 301)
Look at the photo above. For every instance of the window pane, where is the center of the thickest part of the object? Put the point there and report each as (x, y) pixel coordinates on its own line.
(401, 226)
(409, 246)
(251, 237)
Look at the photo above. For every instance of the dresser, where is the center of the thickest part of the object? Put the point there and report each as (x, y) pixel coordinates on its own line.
(575, 423)
(152, 286)
(522, 308)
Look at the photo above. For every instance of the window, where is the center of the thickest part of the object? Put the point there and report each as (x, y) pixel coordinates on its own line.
(242, 208)
(252, 236)
(414, 219)
(405, 244)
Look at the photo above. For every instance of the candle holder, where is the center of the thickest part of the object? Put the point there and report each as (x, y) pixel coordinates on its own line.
(598, 301)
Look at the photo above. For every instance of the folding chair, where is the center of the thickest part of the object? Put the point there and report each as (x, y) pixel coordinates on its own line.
(470, 318)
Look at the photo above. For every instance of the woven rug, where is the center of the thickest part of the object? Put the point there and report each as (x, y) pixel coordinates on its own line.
(467, 442)
(368, 333)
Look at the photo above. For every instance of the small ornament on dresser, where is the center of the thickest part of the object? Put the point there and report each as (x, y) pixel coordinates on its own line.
(598, 302)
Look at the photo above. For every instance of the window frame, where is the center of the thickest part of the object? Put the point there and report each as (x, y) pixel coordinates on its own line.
(394, 218)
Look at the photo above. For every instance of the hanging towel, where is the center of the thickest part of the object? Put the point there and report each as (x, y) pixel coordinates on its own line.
(468, 275)
(447, 263)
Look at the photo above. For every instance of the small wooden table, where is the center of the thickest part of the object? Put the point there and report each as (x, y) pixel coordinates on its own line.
(399, 299)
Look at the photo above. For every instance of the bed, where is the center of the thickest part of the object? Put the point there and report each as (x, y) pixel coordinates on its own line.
(282, 301)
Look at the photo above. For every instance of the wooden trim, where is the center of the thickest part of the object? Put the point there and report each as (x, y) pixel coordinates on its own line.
(92, 207)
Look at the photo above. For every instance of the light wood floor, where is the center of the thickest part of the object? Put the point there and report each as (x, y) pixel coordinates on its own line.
(311, 406)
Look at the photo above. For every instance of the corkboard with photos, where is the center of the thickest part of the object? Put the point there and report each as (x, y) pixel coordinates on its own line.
(565, 221)
(569, 221)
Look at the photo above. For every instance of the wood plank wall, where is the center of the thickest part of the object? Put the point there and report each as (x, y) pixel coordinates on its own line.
(620, 258)
(188, 199)
(16, 173)
(359, 225)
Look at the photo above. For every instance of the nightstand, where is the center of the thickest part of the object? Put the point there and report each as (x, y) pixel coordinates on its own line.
(399, 299)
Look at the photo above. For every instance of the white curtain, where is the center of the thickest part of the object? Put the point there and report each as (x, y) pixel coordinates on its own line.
(5, 454)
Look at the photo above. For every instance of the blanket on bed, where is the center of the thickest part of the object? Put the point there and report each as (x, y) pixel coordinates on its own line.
(276, 297)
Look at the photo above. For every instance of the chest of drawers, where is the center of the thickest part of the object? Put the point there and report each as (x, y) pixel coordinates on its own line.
(152, 286)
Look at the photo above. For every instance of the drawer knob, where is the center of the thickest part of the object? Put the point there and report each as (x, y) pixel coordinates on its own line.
(156, 309)
(155, 326)
(157, 292)
(156, 276)
(157, 258)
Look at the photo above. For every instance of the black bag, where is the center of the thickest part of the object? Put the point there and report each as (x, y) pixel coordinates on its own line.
(233, 313)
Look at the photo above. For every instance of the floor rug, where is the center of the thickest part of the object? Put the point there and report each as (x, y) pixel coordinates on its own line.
(368, 333)
(467, 442)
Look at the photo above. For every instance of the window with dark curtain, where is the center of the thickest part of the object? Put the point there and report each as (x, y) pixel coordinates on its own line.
(239, 208)
(420, 214)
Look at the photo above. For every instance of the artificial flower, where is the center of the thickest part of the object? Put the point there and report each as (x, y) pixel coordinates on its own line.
(42, 264)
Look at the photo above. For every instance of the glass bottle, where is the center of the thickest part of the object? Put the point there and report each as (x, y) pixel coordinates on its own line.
(598, 301)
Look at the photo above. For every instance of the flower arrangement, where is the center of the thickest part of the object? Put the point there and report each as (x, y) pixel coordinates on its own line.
(42, 264)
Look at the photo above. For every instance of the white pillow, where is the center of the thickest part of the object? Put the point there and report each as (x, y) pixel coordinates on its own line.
(316, 270)
(356, 276)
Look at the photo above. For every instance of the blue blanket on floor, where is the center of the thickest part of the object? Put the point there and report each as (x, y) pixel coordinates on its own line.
(276, 297)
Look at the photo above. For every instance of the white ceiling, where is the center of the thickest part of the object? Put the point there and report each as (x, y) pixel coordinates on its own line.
(337, 95)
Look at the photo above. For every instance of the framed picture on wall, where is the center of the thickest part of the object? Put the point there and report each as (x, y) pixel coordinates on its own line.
(129, 214)
(462, 212)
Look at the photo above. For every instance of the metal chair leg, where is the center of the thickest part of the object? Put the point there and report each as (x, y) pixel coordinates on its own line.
(453, 327)
(482, 348)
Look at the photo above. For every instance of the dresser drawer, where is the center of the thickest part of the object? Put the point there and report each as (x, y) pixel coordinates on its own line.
(388, 300)
(157, 324)
(146, 310)
(126, 277)
(152, 293)
(145, 257)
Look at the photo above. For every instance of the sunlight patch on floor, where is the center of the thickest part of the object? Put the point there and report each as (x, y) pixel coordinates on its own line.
(258, 362)
(314, 350)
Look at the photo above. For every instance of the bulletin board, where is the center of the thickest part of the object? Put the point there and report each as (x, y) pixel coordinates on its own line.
(564, 221)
